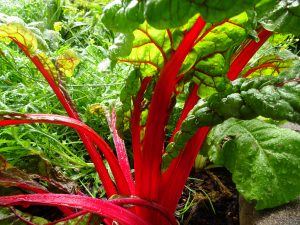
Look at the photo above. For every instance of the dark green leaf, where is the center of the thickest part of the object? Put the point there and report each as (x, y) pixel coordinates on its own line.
(263, 159)
(280, 16)
(268, 96)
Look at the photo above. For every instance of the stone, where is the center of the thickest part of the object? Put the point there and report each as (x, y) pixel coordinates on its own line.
(288, 214)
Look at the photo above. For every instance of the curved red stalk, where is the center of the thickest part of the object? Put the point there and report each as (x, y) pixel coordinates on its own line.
(31, 187)
(122, 154)
(27, 185)
(99, 166)
(84, 129)
(135, 125)
(182, 166)
(140, 62)
(147, 182)
(189, 104)
(58, 92)
(97, 206)
(262, 66)
(151, 205)
(74, 215)
(243, 57)
(20, 217)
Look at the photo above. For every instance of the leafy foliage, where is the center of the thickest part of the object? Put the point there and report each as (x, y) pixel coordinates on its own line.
(268, 96)
(269, 155)
(194, 49)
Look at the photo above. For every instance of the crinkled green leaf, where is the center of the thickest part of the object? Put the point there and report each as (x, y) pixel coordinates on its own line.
(149, 49)
(123, 15)
(122, 45)
(13, 28)
(169, 13)
(270, 64)
(280, 16)
(216, 11)
(128, 92)
(66, 62)
(263, 159)
(268, 96)
(215, 51)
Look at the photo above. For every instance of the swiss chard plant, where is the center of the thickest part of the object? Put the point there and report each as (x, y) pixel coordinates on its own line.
(190, 57)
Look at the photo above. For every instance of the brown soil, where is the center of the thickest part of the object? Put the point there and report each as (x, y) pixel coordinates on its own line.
(213, 198)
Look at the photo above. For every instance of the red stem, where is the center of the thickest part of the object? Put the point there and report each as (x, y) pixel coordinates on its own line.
(135, 125)
(140, 62)
(262, 66)
(148, 180)
(151, 205)
(160, 49)
(31, 187)
(99, 166)
(97, 206)
(84, 129)
(74, 215)
(189, 104)
(181, 166)
(20, 217)
(246, 54)
(122, 154)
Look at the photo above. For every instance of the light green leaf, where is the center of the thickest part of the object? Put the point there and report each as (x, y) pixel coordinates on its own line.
(13, 29)
(66, 62)
(263, 159)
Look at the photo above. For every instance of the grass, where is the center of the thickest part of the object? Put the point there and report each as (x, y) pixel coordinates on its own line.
(23, 89)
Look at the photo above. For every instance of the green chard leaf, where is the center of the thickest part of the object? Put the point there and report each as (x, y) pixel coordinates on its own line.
(13, 29)
(263, 159)
(123, 109)
(125, 16)
(280, 16)
(271, 63)
(207, 63)
(272, 97)
(30, 38)
(122, 45)
(66, 62)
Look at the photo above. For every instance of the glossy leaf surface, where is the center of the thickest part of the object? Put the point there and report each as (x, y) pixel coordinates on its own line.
(270, 156)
